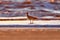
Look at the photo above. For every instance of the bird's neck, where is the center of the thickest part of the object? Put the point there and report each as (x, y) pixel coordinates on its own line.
(27, 14)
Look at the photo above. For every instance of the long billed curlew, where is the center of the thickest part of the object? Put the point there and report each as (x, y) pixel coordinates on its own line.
(31, 18)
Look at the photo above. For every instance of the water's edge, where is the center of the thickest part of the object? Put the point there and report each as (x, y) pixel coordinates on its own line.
(29, 25)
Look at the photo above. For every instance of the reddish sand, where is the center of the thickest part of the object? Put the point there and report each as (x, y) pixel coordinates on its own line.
(30, 34)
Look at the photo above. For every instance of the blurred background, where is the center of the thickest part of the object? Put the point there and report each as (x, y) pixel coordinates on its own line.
(14, 8)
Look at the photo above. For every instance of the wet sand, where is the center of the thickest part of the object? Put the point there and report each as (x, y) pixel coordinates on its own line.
(30, 34)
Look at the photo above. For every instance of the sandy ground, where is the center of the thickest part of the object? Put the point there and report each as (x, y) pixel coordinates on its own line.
(30, 34)
(26, 22)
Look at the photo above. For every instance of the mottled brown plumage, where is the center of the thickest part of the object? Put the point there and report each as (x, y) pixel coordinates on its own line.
(31, 18)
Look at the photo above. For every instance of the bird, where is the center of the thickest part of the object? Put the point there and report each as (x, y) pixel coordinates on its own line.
(31, 18)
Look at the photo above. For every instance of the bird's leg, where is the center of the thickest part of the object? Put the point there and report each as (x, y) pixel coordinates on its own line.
(31, 21)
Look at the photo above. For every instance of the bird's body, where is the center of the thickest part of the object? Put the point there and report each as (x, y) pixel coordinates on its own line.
(31, 18)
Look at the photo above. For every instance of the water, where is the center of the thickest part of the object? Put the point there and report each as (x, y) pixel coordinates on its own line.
(19, 11)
